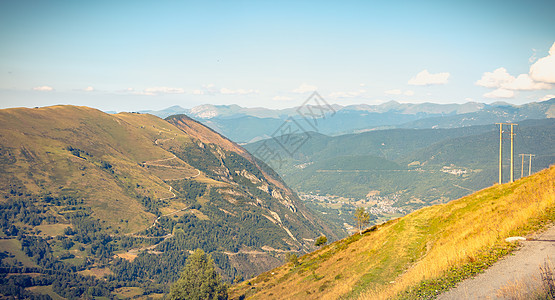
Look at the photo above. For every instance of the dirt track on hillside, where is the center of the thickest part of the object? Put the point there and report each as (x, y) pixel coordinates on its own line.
(518, 271)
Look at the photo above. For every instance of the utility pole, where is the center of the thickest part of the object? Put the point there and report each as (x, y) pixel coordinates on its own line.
(522, 166)
(529, 164)
(530, 167)
(501, 151)
(512, 154)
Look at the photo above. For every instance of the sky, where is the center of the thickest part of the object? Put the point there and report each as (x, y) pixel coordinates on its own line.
(141, 55)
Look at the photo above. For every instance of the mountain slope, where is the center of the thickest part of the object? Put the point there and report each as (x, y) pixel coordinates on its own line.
(419, 255)
(132, 194)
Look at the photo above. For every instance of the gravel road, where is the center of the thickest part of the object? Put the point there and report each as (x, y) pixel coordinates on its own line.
(517, 271)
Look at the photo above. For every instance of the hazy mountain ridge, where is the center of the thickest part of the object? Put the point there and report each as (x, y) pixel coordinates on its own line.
(251, 124)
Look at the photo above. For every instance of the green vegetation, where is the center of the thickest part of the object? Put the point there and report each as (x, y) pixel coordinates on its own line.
(293, 259)
(362, 218)
(199, 280)
(320, 241)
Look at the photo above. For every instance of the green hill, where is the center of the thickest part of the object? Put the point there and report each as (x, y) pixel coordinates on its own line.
(126, 197)
(419, 255)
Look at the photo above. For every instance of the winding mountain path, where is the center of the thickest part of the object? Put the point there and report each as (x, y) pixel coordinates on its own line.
(519, 270)
(168, 214)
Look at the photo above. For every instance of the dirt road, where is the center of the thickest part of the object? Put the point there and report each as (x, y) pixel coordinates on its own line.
(517, 271)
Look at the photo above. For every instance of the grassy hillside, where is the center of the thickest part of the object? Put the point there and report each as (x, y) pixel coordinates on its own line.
(125, 197)
(419, 255)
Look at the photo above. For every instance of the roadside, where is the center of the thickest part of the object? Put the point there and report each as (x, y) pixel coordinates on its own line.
(515, 273)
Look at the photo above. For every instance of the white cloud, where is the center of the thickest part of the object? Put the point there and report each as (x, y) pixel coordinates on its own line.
(426, 78)
(303, 88)
(468, 99)
(495, 79)
(408, 93)
(226, 91)
(547, 97)
(543, 70)
(362, 84)
(524, 82)
(282, 98)
(352, 94)
(394, 92)
(88, 89)
(500, 78)
(43, 88)
(500, 93)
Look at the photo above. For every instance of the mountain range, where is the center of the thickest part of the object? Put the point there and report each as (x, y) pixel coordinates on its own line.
(244, 125)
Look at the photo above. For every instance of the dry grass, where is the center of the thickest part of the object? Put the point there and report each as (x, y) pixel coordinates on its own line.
(199, 214)
(400, 254)
(52, 229)
(127, 256)
(38, 139)
(128, 292)
(547, 275)
(13, 247)
(45, 290)
(540, 286)
(96, 272)
(522, 289)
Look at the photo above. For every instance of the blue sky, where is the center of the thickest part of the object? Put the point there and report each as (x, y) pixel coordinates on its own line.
(135, 55)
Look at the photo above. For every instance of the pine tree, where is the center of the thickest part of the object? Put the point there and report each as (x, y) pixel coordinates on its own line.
(199, 280)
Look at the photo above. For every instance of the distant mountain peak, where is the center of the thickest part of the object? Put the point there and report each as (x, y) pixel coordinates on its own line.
(501, 103)
(205, 111)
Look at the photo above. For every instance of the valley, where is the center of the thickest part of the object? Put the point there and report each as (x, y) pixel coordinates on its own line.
(408, 168)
